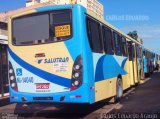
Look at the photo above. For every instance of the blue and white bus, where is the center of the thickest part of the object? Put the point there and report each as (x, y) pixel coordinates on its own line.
(67, 54)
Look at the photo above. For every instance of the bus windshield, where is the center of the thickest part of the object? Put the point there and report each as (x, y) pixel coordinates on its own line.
(39, 28)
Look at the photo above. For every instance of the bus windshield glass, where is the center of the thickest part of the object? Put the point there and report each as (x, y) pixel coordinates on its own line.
(39, 28)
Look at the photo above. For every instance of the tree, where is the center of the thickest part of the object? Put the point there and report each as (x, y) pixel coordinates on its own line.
(133, 35)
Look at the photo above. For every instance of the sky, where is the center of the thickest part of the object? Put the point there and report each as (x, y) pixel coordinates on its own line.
(127, 15)
(140, 15)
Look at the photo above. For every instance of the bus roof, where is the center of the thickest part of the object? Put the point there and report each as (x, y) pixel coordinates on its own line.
(89, 12)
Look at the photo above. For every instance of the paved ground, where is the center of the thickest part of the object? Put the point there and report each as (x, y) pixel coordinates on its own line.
(144, 98)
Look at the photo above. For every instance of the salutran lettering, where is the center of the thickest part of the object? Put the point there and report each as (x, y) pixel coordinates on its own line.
(56, 60)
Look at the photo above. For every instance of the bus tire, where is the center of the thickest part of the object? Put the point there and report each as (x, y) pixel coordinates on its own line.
(119, 90)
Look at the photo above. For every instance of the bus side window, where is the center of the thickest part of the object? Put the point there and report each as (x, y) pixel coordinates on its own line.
(144, 53)
(107, 39)
(137, 51)
(133, 50)
(94, 35)
(130, 52)
(124, 46)
(117, 42)
(140, 50)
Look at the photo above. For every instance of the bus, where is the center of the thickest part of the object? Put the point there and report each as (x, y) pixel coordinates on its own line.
(148, 59)
(4, 85)
(155, 61)
(67, 54)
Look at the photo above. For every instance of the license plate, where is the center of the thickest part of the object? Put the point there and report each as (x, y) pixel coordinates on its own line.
(42, 85)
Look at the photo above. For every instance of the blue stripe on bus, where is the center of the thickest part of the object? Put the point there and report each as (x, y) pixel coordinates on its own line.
(43, 74)
(107, 67)
(74, 45)
(53, 7)
(73, 48)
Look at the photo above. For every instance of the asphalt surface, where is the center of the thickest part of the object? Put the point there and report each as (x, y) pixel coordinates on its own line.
(142, 99)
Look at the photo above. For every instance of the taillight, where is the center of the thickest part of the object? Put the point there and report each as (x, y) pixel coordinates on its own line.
(77, 74)
(12, 78)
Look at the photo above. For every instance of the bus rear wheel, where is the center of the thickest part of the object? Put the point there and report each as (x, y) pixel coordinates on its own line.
(119, 90)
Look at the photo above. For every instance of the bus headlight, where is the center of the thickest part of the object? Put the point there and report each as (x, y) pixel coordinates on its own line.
(12, 78)
(77, 73)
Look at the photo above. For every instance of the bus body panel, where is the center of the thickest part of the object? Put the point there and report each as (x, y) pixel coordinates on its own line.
(33, 72)
(136, 80)
(131, 73)
(126, 78)
(107, 68)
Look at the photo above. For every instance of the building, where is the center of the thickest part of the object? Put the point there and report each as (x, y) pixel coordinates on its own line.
(92, 5)
(3, 28)
(4, 15)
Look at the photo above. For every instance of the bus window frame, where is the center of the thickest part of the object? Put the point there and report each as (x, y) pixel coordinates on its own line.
(133, 50)
(101, 50)
(124, 45)
(104, 27)
(130, 50)
(119, 43)
(41, 13)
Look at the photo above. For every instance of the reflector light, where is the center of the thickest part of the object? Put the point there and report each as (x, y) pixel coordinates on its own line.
(72, 88)
(78, 96)
(16, 89)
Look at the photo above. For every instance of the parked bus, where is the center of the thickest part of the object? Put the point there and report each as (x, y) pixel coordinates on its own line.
(155, 61)
(4, 85)
(67, 54)
(158, 63)
(148, 59)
